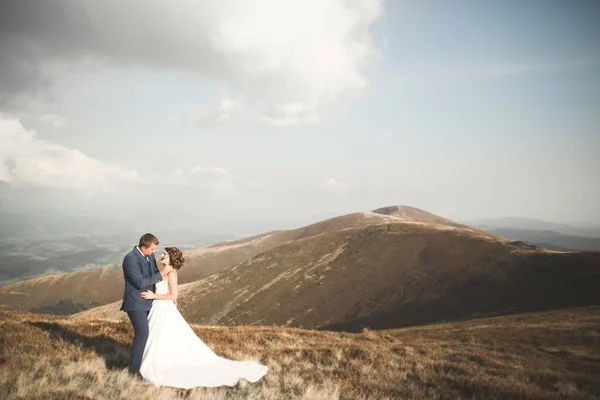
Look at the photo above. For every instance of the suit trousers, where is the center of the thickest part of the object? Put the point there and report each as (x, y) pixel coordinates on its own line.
(139, 320)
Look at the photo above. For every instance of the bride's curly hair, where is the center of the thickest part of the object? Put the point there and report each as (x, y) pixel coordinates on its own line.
(175, 257)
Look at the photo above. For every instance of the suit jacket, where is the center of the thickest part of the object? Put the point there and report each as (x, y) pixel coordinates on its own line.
(140, 275)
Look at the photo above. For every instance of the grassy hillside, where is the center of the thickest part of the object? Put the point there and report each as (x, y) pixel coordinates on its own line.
(386, 276)
(105, 284)
(552, 355)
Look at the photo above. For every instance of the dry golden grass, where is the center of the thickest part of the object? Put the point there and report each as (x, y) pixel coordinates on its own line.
(552, 355)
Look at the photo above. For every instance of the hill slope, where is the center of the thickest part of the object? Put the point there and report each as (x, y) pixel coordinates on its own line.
(535, 356)
(105, 284)
(385, 276)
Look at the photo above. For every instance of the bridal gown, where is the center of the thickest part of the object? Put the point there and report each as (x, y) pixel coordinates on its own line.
(174, 356)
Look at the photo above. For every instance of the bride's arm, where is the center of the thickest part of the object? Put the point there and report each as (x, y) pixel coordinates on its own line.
(173, 287)
(172, 279)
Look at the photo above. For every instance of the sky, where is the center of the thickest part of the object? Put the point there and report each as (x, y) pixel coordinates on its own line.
(251, 114)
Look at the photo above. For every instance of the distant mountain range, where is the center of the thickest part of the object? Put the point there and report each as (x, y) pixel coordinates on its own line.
(535, 225)
(549, 235)
(550, 240)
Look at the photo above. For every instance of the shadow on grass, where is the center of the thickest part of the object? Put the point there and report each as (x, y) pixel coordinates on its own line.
(115, 354)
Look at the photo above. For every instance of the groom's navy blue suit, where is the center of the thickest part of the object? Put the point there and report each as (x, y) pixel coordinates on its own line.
(141, 273)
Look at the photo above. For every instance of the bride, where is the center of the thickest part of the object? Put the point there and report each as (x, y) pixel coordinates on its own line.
(174, 356)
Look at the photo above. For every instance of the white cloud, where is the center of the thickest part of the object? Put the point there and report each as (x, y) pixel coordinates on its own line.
(299, 67)
(210, 176)
(5, 175)
(291, 114)
(25, 159)
(54, 120)
(333, 186)
(216, 179)
(456, 74)
(548, 66)
(227, 108)
(296, 60)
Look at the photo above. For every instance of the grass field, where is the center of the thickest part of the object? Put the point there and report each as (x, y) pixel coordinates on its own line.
(551, 355)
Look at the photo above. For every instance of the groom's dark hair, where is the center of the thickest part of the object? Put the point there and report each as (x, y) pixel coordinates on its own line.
(147, 239)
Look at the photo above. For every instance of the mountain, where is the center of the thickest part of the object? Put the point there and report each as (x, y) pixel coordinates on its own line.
(388, 275)
(547, 355)
(412, 214)
(489, 224)
(550, 239)
(105, 284)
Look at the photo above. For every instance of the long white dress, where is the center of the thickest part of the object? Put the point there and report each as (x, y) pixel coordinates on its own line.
(174, 356)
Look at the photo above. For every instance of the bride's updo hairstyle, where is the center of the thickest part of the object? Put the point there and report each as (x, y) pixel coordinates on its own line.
(175, 257)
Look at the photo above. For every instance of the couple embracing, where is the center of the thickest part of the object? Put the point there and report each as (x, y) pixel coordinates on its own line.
(165, 350)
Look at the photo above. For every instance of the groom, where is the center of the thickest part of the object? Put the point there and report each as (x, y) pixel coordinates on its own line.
(140, 273)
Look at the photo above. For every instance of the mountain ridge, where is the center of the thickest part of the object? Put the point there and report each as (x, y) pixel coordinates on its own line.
(104, 284)
(386, 276)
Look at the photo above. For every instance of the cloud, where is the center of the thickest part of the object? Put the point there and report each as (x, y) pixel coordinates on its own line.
(54, 120)
(25, 159)
(291, 114)
(213, 177)
(333, 186)
(222, 114)
(217, 180)
(455, 74)
(547, 67)
(295, 59)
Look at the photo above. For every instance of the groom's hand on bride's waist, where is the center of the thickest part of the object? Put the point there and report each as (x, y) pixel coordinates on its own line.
(148, 295)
